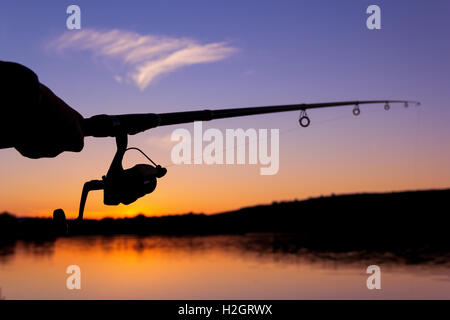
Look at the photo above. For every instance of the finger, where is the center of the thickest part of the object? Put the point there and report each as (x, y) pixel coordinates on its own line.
(65, 123)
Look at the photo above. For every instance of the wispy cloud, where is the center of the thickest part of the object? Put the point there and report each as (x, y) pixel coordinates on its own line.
(147, 56)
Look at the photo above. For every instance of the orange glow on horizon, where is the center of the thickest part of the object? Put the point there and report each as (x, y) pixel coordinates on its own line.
(330, 160)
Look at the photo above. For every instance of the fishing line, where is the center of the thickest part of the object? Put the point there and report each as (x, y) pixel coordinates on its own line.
(282, 132)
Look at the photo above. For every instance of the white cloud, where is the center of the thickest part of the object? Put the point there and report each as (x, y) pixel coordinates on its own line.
(147, 56)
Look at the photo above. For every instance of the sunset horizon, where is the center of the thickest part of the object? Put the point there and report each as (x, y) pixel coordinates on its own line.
(101, 215)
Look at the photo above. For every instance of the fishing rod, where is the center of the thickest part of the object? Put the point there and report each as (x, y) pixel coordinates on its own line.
(127, 185)
(112, 125)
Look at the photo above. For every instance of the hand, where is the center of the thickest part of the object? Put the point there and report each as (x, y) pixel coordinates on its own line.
(53, 127)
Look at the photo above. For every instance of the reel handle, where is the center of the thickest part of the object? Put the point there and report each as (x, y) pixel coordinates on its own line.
(88, 186)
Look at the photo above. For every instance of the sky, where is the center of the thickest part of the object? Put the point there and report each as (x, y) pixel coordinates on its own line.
(164, 56)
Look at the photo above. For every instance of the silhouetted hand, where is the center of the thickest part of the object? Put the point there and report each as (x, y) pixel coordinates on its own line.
(52, 127)
(32, 118)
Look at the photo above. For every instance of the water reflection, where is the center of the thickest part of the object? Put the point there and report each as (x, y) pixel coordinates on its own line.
(278, 247)
(250, 266)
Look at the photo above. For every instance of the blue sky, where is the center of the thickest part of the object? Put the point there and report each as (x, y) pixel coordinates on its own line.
(288, 50)
(285, 52)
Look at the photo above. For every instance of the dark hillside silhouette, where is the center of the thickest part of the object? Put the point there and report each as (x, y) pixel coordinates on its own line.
(389, 221)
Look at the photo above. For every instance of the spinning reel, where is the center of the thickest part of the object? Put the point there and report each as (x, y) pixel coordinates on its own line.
(123, 185)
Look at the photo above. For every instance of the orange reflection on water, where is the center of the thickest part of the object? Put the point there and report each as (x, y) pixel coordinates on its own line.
(213, 267)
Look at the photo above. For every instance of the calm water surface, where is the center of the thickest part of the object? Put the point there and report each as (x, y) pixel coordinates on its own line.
(209, 267)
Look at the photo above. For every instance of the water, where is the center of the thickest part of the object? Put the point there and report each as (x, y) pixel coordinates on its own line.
(208, 267)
